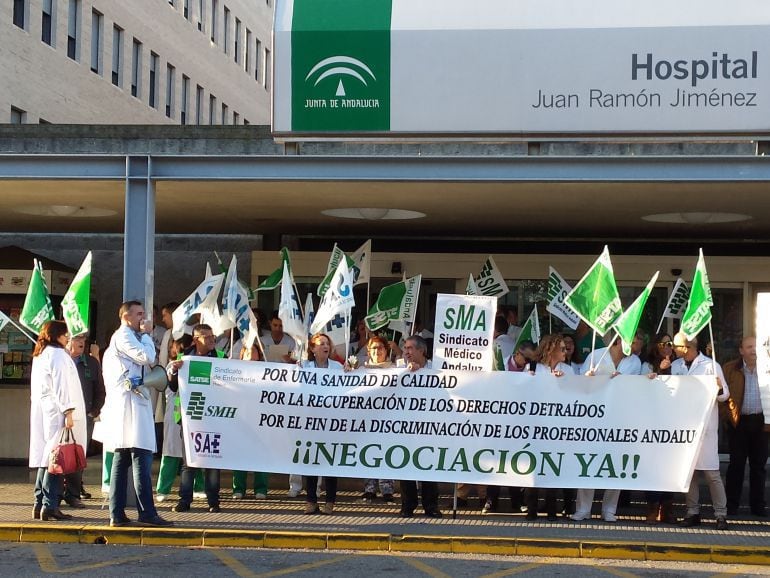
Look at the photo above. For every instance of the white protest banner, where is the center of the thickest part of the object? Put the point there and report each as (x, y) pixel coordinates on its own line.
(490, 281)
(763, 351)
(558, 289)
(498, 427)
(464, 332)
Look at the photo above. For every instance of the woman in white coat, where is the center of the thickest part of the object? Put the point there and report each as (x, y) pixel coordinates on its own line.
(56, 403)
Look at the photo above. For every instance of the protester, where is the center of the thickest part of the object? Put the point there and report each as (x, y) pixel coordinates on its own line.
(319, 349)
(660, 355)
(691, 362)
(551, 358)
(748, 438)
(378, 351)
(240, 477)
(56, 405)
(606, 361)
(502, 340)
(415, 359)
(570, 355)
(203, 346)
(127, 420)
(523, 358)
(92, 386)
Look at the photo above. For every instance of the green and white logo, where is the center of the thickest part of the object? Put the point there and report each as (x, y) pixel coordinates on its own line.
(200, 373)
(196, 405)
(340, 51)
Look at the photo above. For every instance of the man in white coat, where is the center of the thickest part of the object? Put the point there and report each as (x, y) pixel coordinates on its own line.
(128, 427)
(691, 362)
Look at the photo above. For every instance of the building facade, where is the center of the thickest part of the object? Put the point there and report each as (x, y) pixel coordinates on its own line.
(139, 62)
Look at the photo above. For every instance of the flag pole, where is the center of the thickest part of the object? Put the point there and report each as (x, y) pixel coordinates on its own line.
(19, 327)
(606, 351)
(550, 326)
(713, 351)
(593, 342)
(231, 343)
(661, 323)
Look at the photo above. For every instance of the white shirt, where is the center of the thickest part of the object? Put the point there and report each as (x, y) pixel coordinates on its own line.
(630, 365)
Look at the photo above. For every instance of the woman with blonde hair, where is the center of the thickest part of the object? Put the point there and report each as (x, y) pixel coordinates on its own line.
(56, 404)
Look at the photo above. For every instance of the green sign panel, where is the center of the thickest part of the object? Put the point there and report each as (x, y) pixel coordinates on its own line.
(340, 55)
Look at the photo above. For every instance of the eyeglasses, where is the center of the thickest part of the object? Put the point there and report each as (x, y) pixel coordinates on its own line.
(665, 343)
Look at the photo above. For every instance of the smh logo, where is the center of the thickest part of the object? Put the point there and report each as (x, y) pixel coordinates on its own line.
(196, 406)
(340, 66)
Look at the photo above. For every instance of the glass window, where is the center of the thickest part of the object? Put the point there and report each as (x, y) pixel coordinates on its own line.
(117, 55)
(18, 13)
(247, 60)
(185, 98)
(198, 104)
(267, 69)
(153, 100)
(97, 22)
(46, 34)
(73, 29)
(136, 68)
(226, 31)
(236, 117)
(186, 9)
(201, 14)
(170, 79)
(212, 109)
(224, 113)
(257, 56)
(214, 20)
(18, 116)
(237, 49)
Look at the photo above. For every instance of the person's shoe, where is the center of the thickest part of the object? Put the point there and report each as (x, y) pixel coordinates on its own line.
(691, 521)
(36, 512)
(293, 493)
(237, 496)
(328, 509)
(215, 509)
(47, 515)
(181, 507)
(260, 496)
(580, 516)
(119, 522)
(84, 494)
(489, 507)
(74, 503)
(156, 521)
(368, 498)
(161, 497)
(406, 514)
(433, 513)
(667, 515)
(612, 518)
(721, 523)
(311, 508)
(388, 498)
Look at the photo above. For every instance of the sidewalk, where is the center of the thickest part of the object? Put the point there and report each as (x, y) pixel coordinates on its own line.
(279, 522)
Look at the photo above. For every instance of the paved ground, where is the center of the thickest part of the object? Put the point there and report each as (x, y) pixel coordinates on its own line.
(279, 522)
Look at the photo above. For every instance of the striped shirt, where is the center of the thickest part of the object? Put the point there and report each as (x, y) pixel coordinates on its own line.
(751, 401)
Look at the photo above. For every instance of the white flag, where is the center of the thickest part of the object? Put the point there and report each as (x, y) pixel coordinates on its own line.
(470, 288)
(199, 300)
(235, 303)
(338, 300)
(678, 300)
(490, 281)
(558, 289)
(289, 311)
(337, 328)
(362, 259)
(4, 319)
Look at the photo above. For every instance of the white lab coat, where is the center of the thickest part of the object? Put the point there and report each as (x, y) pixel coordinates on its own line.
(629, 365)
(54, 388)
(127, 419)
(708, 457)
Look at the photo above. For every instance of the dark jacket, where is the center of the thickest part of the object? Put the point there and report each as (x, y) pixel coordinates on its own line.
(92, 383)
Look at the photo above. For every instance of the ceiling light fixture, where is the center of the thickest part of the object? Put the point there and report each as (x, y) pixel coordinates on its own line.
(64, 211)
(373, 213)
(697, 218)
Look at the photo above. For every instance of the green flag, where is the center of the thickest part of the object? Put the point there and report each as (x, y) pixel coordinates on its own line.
(75, 305)
(499, 364)
(698, 312)
(595, 297)
(395, 306)
(37, 305)
(530, 331)
(628, 322)
(273, 281)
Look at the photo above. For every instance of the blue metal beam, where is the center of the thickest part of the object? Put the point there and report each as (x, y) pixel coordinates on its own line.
(139, 239)
(58, 167)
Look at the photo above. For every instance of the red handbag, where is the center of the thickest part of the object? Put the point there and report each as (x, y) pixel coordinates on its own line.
(67, 457)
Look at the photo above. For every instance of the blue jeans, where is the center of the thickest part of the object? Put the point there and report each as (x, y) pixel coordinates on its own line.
(47, 489)
(140, 462)
(211, 483)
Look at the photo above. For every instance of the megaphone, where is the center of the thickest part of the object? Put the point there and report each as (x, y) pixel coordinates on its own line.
(156, 378)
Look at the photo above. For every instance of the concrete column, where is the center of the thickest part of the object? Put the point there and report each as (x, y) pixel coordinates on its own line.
(139, 239)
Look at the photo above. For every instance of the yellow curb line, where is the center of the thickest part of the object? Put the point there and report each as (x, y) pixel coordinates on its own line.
(383, 542)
